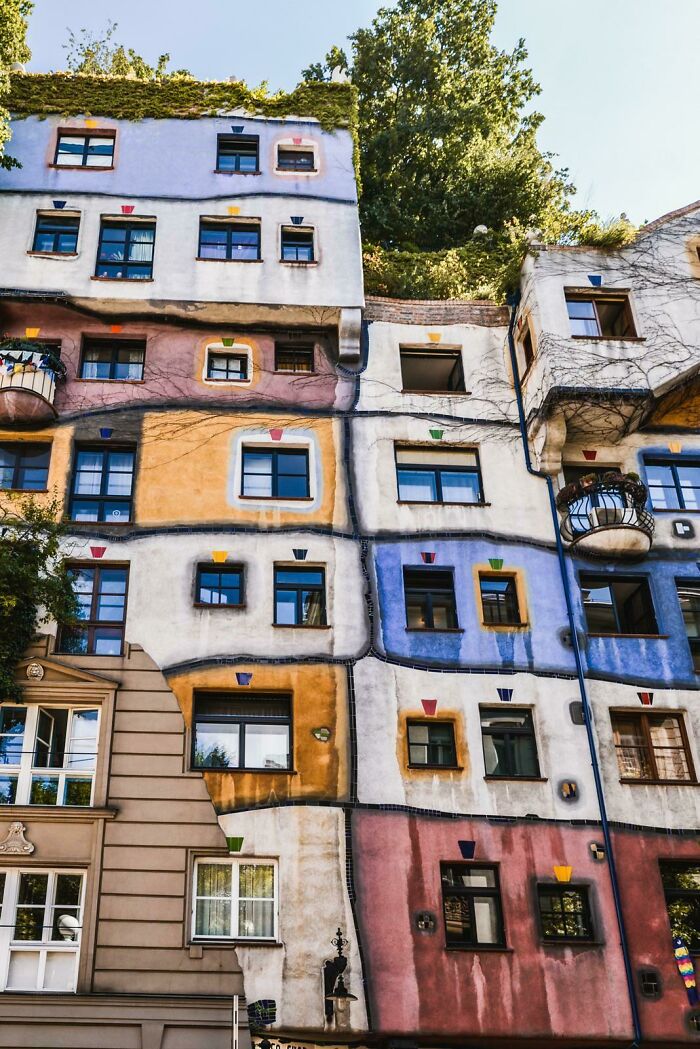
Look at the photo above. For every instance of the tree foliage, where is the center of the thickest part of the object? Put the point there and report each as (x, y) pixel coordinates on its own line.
(100, 55)
(34, 583)
(13, 51)
(446, 139)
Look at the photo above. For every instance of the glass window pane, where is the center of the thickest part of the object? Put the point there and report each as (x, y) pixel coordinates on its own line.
(417, 486)
(59, 970)
(12, 722)
(44, 790)
(256, 919)
(285, 607)
(599, 608)
(266, 746)
(8, 792)
(217, 745)
(107, 642)
(460, 487)
(78, 791)
(213, 918)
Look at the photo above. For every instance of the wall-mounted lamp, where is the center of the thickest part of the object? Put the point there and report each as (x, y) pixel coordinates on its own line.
(335, 993)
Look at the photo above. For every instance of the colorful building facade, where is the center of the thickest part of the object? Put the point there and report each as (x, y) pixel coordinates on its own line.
(378, 725)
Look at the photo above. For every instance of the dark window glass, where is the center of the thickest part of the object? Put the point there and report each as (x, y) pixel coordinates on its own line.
(297, 245)
(499, 600)
(273, 474)
(24, 467)
(616, 604)
(689, 600)
(300, 596)
(229, 240)
(125, 251)
(432, 743)
(425, 475)
(235, 732)
(508, 738)
(237, 153)
(681, 882)
(565, 912)
(294, 358)
(652, 747)
(12, 723)
(295, 159)
(102, 485)
(56, 234)
(527, 348)
(430, 599)
(674, 484)
(86, 151)
(600, 316)
(227, 367)
(101, 594)
(432, 371)
(115, 359)
(471, 903)
(219, 585)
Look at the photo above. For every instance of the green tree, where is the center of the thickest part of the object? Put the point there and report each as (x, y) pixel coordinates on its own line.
(446, 142)
(13, 50)
(100, 55)
(34, 582)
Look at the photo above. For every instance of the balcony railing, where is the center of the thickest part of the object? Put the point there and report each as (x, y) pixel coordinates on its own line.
(28, 379)
(607, 517)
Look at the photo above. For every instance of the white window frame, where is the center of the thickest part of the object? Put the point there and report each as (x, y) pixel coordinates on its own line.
(235, 863)
(25, 771)
(45, 946)
(306, 145)
(237, 350)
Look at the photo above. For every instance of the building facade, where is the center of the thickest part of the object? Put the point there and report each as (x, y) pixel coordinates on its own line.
(378, 724)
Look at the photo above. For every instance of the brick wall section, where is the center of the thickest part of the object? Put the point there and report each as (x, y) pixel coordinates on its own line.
(434, 311)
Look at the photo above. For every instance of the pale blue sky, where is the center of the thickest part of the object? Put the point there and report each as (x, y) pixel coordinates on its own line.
(619, 77)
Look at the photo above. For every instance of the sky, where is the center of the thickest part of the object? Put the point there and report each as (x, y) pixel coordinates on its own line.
(619, 77)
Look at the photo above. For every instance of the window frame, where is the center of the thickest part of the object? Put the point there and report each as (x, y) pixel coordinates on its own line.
(113, 345)
(469, 893)
(426, 723)
(14, 450)
(290, 149)
(454, 354)
(243, 720)
(429, 598)
(672, 464)
(293, 348)
(557, 890)
(91, 624)
(276, 453)
(236, 170)
(512, 595)
(437, 471)
(86, 134)
(58, 219)
(103, 496)
(220, 569)
(645, 717)
(508, 733)
(594, 297)
(298, 590)
(693, 642)
(129, 226)
(608, 580)
(213, 354)
(310, 232)
(235, 862)
(230, 227)
(674, 893)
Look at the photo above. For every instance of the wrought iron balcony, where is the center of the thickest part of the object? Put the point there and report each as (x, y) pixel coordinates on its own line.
(607, 517)
(28, 378)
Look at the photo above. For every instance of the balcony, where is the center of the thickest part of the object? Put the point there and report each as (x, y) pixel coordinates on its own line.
(28, 378)
(606, 516)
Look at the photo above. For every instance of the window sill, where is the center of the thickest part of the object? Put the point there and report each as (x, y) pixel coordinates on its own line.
(296, 171)
(222, 171)
(516, 779)
(232, 772)
(125, 280)
(434, 630)
(24, 491)
(122, 382)
(278, 498)
(203, 258)
(670, 510)
(292, 262)
(81, 813)
(206, 605)
(306, 375)
(54, 254)
(228, 941)
(81, 167)
(227, 382)
(437, 502)
(302, 626)
(660, 782)
(505, 628)
(436, 768)
(572, 943)
(650, 637)
(491, 948)
(440, 393)
(610, 338)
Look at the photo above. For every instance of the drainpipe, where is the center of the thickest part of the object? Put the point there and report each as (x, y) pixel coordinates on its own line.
(513, 302)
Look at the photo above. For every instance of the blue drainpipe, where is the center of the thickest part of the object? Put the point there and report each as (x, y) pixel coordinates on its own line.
(513, 302)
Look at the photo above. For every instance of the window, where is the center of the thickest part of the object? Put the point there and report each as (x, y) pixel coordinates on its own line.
(101, 594)
(237, 153)
(649, 981)
(235, 899)
(126, 251)
(427, 475)
(275, 474)
(431, 744)
(471, 903)
(242, 732)
(618, 605)
(508, 738)
(57, 234)
(297, 244)
(47, 755)
(430, 599)
(432, 371)
(652, 748)
(681, 882)
(689, 600)
(499, 600)
(565, 912)
(120, 360)
(227, 367)
(220, 585)
(527, 348)
(24, 467)
(40, 924)
(235, 241)
(102, 485)
(674, 485)
(600, 316)
(289, 159)
(85, 151)
(294, 357)
(300, 596)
